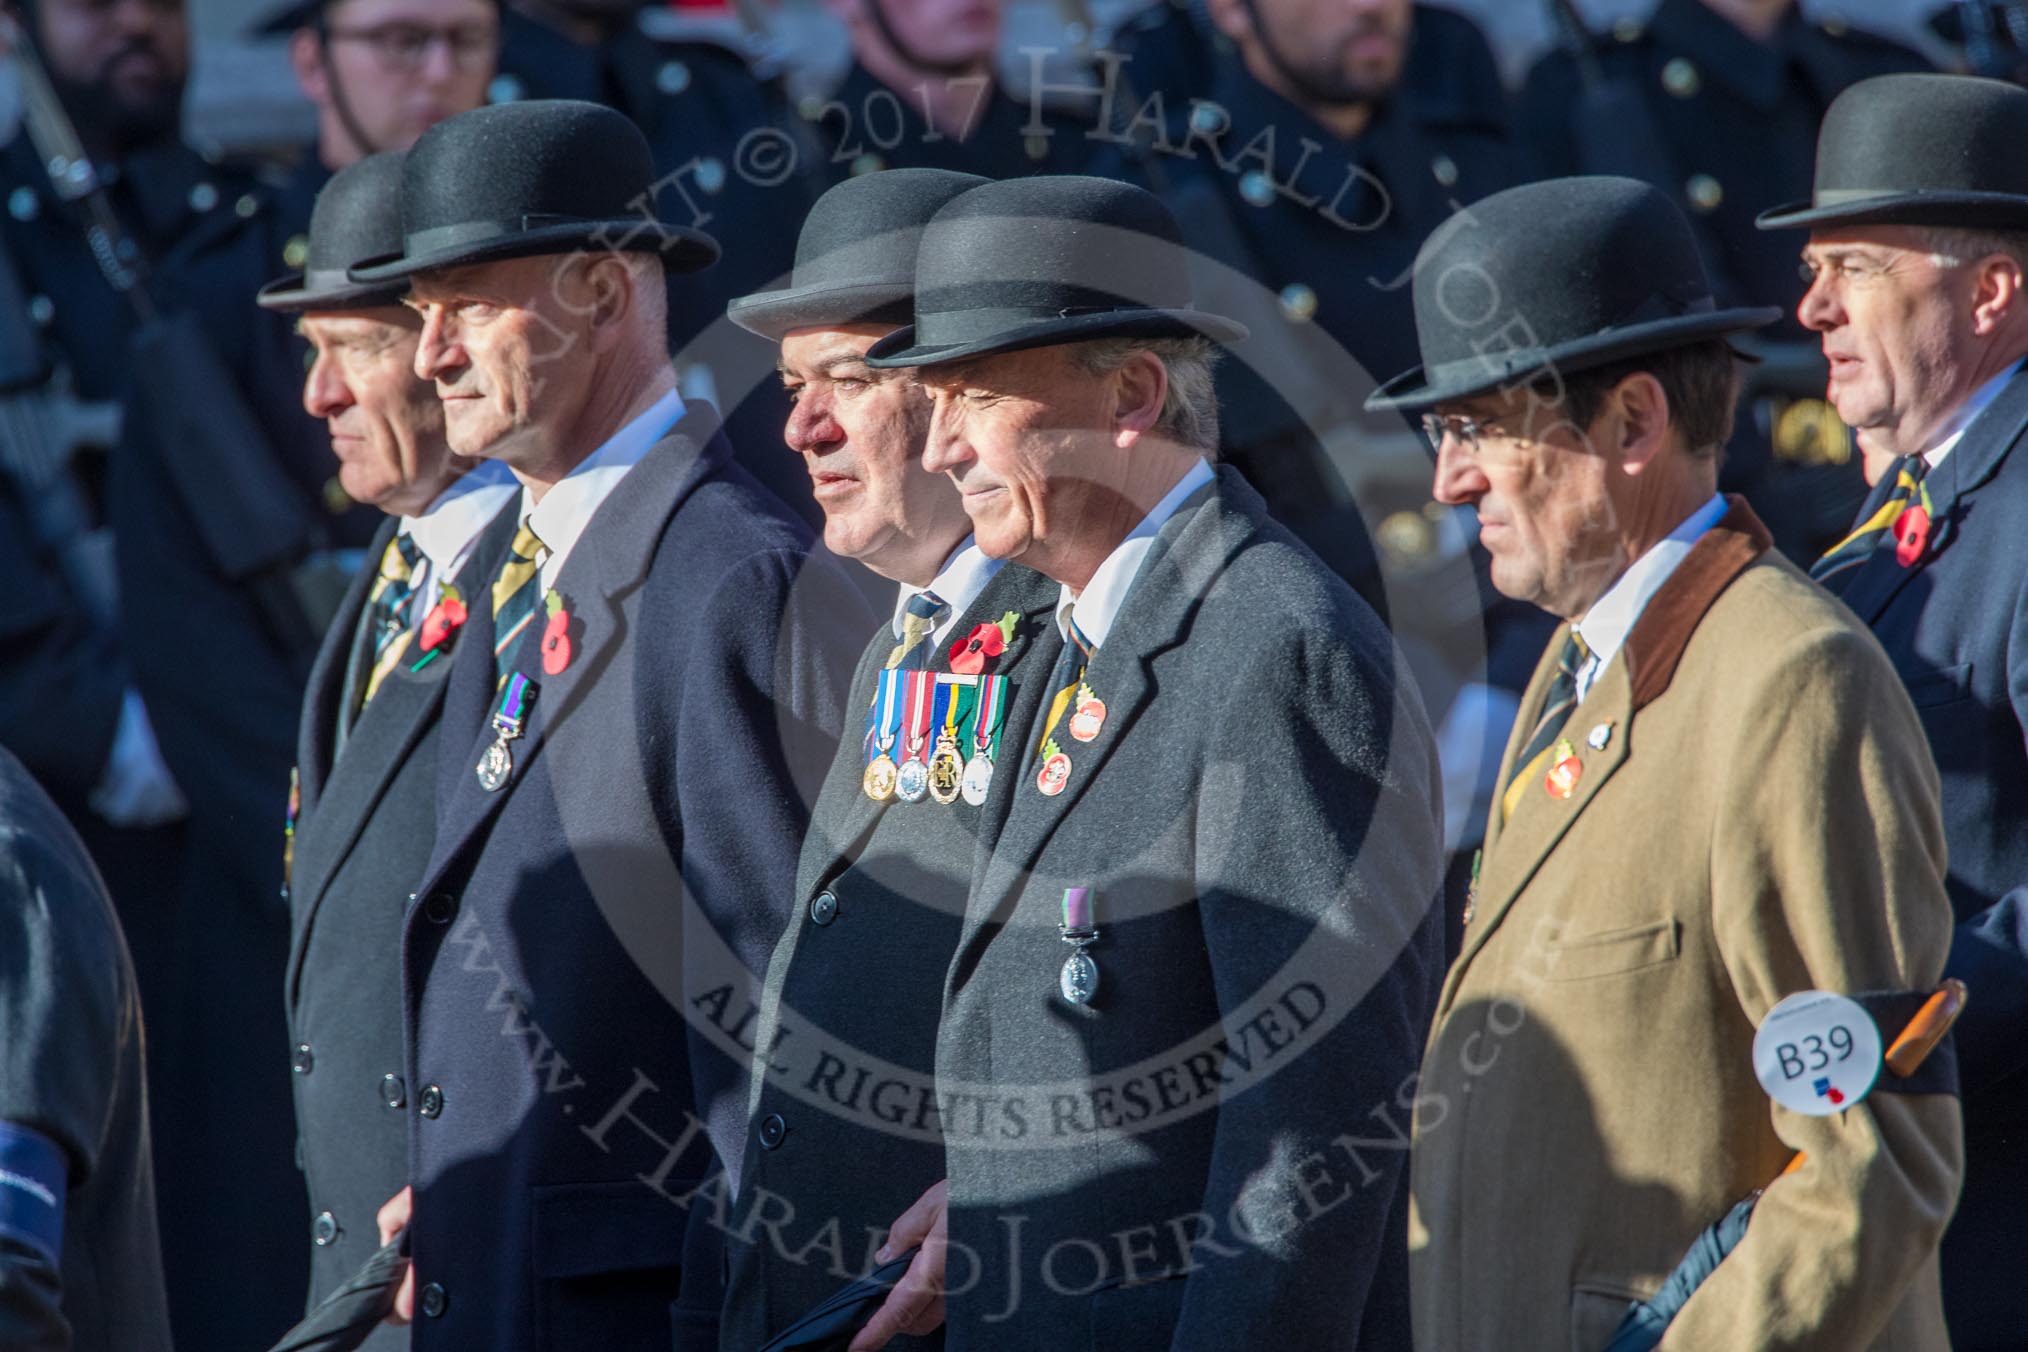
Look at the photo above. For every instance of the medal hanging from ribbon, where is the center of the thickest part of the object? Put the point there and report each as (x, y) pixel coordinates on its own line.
(919, 698)
(509, 717)
(947, 762)
(985, 743)
(1079, 980)
(883, 723)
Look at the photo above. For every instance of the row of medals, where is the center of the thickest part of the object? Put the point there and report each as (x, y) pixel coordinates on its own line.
(946, 776)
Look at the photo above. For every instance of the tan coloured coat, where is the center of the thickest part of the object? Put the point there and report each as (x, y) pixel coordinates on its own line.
(1762, 819)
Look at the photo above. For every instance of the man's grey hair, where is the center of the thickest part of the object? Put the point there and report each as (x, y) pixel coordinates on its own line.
(1952, 246)
(1190, 408)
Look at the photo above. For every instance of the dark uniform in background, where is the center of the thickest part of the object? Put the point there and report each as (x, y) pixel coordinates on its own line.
(1727, 126)
(74, 1156)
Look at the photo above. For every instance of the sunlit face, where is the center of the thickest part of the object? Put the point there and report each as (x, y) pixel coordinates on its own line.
(1541, 492)
(1352, 50)
(120, 64)
(861, 433)
(387, 428)
(508, 345)
(402, 66)
(1897, 331)
(1025, 436)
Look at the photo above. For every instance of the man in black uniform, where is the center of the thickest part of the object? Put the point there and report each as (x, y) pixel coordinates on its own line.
(368, 740)
(79, 1267)
(1716, 102)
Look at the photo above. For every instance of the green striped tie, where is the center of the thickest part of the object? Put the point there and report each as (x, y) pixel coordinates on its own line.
(385, 635)
(1557, 706)
(517, 594)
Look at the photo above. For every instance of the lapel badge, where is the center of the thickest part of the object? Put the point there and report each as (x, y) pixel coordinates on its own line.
(1564, 769)
(556, 650)
(1055, 771)
(1089, 719)
(1911, 534)
(1600, 736)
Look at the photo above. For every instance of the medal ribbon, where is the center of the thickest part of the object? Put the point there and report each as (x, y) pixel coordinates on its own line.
(922, 688)
(992, 712)
(1077, 910)
(514, 702)
(884, 714)
(957, 701)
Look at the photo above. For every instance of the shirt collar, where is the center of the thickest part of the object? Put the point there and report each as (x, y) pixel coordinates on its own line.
(1611, 618)
(567, 508)
(958, 583)
(445, 529)
(1955, 427)
(1107, 591)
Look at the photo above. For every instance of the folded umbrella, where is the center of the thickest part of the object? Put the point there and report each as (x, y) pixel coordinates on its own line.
(347, 1317)
(829, 1326)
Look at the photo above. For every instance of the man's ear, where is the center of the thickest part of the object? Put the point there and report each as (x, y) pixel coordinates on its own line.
(607, 300)
(1141, 387)
(1639, 414)
(306, 59)
(1996, 296)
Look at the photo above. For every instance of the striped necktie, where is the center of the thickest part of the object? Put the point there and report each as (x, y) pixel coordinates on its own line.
(1071, 664)
(1556, 710)
(517, 593)
(1909, 491)
(385, 631)
(924, 612)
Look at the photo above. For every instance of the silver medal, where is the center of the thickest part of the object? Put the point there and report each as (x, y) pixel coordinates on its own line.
(1079, 978)
(912, 783)
(978, 780)
(495, 766)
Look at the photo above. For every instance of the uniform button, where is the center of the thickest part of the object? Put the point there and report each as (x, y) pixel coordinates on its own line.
(1705, 192)
(431, 1104)
(1256, 187)
(1299, 302)
(246, 206)
(1445, 170)
(439, 908)
(1680, 78)
(823, 908)
(673, 77)
(203, 197)
(506, 89)
(324, 1230)
(867, 164)
(41, 309)
(302, 1060)
(23, 204)
(711, 174)
(392, 1091)
(773, 1131)
(435, 1300)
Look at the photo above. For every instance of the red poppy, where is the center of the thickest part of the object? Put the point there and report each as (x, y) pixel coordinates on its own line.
(970, 653)
(1911, 534)
(444, 619)
(556, 642)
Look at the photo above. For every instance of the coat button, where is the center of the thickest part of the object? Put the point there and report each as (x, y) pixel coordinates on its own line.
(823, 908)
(431, 1104)
(773, 1131)
(439, 908)
(324, 1230)
(392, 1091)
(435, 1300)
(302, 1060)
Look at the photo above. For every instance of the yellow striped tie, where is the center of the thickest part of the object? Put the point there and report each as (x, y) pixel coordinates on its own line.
(389, 636)
(515, 594)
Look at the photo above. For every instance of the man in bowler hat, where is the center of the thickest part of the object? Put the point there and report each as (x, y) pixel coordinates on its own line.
(367, 746)
(1918, 247)
(1672, 851)
(649, 686)
(1204, 940)
(882, 881)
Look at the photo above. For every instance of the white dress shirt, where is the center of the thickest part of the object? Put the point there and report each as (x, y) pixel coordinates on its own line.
(567, 508)
(446, 530)
(1611, 618)
(958, 583)
(1098, 605)
(1954, 428)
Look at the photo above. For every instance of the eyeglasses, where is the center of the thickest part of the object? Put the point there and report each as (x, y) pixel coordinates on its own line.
(1465, 431)
(405, 46)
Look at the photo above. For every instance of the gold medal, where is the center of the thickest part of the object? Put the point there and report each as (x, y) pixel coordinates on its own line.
(879, 778)
(946, 770)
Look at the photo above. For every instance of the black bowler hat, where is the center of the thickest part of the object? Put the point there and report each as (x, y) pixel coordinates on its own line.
(1029, 262)
(855, 257)
(1565, 275)
(1949, 150)
(357, 216)
(548, 176)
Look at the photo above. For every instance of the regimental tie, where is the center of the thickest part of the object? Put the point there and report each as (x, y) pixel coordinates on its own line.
(920, 617)
(1556, 710)
(1909, 491)
(1053, 763)
(385, 634)
(517, 596)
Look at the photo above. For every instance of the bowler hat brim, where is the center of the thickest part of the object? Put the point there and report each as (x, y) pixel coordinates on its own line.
(296, 293)
(899, 348)
(771, 314)
(681, 249)
(1421, 388)
(1969, 210)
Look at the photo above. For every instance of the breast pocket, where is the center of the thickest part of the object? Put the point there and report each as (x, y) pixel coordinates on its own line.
(1929, 687)
(1588, 956)
(608, 1260)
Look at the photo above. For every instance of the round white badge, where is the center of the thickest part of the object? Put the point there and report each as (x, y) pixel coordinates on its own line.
(1817, 1053)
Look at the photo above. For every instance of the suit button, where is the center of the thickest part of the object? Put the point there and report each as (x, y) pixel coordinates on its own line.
(823, 908)
(431, 1104)
(773, 1131)
(392, 1091)
(439, 908)
(324, 1230)
(302, 1060)
(435, 1300)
